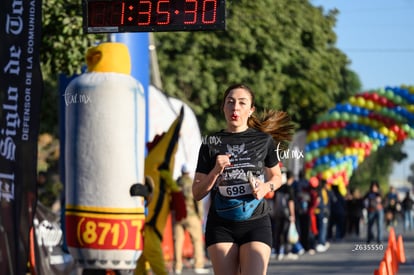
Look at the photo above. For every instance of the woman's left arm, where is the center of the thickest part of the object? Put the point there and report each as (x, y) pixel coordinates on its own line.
(274, 181)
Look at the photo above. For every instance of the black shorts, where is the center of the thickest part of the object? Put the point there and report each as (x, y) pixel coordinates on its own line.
(240, 232)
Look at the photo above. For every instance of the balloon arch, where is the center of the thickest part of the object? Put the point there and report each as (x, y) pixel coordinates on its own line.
(348, 133)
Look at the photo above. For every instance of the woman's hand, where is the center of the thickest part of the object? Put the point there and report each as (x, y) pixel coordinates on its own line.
(260, 188)
(203, 183)
(222, 161)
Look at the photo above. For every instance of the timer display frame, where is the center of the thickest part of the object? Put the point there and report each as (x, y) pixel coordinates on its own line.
(114, 16)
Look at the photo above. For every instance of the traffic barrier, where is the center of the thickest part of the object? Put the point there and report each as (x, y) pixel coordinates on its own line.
(392, 247)
(393, 255)
(400, 250)
(382, 270)
(390, 261)
(391, 238)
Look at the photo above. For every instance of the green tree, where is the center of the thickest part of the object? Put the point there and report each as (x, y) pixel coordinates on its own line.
(64, 44)
(285, 50)
(62, 51)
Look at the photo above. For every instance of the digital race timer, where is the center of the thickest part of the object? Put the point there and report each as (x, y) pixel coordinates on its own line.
(107, 16)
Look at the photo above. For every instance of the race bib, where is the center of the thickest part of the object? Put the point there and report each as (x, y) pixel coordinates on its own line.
(237, 190)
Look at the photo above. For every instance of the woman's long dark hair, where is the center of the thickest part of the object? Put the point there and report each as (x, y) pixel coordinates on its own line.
(276, 123)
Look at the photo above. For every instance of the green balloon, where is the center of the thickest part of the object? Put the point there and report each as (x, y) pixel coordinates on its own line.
(406, 127)
(335, 115)
(390, 95)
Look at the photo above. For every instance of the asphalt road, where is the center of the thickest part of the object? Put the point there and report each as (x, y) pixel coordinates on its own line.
(340, 259)
(347, 257)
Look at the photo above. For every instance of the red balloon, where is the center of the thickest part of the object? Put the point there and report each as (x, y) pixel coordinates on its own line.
(375, 97)
(383, 101)
(309, 165)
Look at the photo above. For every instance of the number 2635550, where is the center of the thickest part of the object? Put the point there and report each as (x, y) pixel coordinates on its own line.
(368, 247)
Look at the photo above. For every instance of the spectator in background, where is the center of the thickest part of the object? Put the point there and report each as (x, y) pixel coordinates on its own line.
(338, 215)
(284, 214)
(322, 215)
(313, 204)
(355, 207)
(375, 209)
(302, 200)
(192, 223)
(391, 207)
(408, 212)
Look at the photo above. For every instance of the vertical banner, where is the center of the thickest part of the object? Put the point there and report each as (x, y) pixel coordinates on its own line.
(20, 94)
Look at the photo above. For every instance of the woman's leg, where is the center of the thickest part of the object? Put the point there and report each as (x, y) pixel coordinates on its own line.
(254, 258)
(380, 228)
(179, 236)
(277, 235)
(284, 240)
(371, 220)
(225, 258)
(196, 233)
(406, 219)
(411, 219)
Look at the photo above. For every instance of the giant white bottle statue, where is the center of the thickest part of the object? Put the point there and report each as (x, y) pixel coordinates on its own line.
(104, 157)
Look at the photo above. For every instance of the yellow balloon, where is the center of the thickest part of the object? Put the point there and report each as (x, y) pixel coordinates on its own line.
(383, 130)
(312, 136)
(369, 105)
(354, 151)
(326, 174)
(361, 102)
(332, 132)
(323, 134)
(342, 189)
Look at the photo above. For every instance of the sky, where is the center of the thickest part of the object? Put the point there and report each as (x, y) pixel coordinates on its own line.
(378, 38)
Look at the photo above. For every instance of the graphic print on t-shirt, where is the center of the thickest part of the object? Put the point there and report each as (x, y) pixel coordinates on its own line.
(236, 150)
(247, 154)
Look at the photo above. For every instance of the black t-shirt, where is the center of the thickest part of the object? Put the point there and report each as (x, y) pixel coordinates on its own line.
(250, 150)
(281, 201)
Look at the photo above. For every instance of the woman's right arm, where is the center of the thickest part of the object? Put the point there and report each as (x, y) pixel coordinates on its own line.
(203, 183)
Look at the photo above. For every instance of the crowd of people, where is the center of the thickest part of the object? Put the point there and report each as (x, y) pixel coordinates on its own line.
(323, 215)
